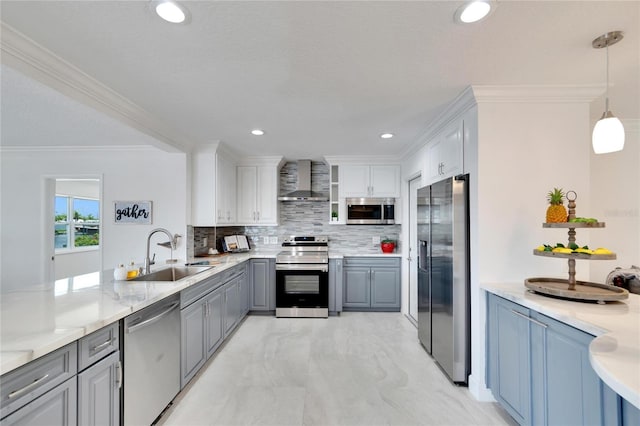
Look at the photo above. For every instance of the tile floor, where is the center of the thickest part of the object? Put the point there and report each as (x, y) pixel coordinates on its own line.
(356, 369)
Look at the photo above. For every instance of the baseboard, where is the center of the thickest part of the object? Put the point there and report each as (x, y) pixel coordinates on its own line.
(479, 391)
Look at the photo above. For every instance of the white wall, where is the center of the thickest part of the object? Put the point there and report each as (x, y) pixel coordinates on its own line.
(127, 174)
(615, 185)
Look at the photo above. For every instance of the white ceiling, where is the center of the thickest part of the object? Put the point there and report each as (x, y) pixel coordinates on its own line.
(321, 78)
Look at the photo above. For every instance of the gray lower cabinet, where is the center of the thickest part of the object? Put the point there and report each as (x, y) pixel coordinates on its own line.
(99, 392)
(56, 407)
(262, 291)
(371, 283)
(335, 285)
(357, 287)
(243, 289)
(210, 311)
(539, 370)
(42, 392)
(230, 304)
(213, 321)
(201, 332)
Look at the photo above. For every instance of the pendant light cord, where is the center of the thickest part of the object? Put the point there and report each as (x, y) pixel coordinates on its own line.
(606, 102)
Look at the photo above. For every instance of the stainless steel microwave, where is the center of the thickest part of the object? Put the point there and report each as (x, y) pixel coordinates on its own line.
(371, 211)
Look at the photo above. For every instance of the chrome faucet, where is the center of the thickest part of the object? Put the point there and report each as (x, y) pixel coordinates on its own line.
(173, 239)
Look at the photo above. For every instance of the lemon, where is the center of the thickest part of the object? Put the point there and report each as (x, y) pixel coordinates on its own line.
(562, 250)
(602, 250)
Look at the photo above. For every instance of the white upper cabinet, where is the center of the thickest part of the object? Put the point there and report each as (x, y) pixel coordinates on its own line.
(369, 181)
(257, 195)
(225, 190)
(445, 153)
(213, 188)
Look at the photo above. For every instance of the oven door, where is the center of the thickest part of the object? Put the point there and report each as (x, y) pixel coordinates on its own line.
(302, 286)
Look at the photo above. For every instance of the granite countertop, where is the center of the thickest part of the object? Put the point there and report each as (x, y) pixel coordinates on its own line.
(615, 351)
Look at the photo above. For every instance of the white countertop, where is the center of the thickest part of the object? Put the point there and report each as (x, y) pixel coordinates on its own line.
(39, 320)
(615, 351)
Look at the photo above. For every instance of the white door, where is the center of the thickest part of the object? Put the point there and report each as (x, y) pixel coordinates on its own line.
(354, 181)
(247, 176)
(267, 195)
(385, 181)
(414, 185)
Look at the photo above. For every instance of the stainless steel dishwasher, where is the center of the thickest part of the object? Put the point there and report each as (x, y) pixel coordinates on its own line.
(151, 360)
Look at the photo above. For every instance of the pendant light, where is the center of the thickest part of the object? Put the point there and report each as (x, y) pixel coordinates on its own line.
(608, 133)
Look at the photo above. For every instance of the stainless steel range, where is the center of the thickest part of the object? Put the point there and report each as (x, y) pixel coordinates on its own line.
(302, 278)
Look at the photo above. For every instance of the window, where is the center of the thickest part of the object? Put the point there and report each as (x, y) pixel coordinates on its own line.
(77, 223)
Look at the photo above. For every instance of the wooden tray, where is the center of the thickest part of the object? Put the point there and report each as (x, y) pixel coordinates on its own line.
(566, 225)
(585, 291)
(583, 256)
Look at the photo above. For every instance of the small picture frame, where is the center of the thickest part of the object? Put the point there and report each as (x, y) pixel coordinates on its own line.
(133, 212)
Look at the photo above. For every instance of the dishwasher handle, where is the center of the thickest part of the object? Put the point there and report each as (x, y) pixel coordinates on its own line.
(142, 324)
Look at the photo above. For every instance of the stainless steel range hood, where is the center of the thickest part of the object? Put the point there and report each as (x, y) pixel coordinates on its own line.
(304, 192)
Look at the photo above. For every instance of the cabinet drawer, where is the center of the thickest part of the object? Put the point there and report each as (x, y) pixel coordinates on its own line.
(232, 273)
(372, 262)
(28, 382)
(55, 408)
(195, 292)
(97, 345)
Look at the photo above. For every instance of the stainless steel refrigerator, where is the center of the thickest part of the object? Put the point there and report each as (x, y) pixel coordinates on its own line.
(443, 275)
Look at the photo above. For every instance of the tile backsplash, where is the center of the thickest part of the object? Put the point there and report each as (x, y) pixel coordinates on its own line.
(300, 218)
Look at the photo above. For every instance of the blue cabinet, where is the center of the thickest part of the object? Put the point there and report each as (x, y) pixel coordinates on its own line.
(565, 388)
(538, 369)
(509, 362)
(371, 284)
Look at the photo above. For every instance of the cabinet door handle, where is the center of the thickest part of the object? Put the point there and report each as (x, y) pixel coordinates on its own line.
(102, 345)
(30, 386)
(119, 375)
(258, 214)
(541, 324)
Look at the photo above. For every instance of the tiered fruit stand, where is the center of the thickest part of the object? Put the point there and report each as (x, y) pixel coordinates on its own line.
(570, 288)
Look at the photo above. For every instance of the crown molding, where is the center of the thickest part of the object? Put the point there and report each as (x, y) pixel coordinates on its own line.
(273, 160)
(454, 109)
(362, 159)
(537, 94)
(84, 148)
(479, 94)
(32, 59)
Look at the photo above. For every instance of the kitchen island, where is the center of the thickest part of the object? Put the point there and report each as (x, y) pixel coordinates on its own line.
(39, 320)
(614, 353)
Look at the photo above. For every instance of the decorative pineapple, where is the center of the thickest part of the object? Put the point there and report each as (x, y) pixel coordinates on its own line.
(556, 212)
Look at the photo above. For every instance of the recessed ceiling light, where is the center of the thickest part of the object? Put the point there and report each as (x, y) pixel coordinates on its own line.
(257, 132)
(386, 135)
(473, 11)
(171, 11)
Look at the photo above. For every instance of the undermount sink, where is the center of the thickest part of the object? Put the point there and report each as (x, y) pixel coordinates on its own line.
(174, 273)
